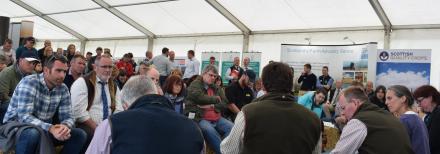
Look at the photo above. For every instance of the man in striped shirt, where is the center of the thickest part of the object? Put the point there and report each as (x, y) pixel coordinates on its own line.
(35, 101)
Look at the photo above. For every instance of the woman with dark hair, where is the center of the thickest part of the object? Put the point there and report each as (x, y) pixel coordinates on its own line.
(38, 67)
(70, 52)
(379, 97)
(219, 81)
(121, 79)
(400, 101)
(174, 91)
(428, 99)
(313, 101)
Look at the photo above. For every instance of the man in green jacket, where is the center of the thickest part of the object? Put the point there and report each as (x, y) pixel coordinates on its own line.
(205, 103)
(11, 75)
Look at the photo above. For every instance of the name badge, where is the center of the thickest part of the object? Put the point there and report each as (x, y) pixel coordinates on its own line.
(191, 115)
(248, 95)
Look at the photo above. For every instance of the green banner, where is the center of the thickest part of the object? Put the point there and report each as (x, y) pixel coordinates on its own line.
(255, 66)
(227, 62)
(225, 66)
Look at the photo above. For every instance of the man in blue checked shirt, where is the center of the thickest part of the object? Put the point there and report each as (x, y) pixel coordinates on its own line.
(35, 101)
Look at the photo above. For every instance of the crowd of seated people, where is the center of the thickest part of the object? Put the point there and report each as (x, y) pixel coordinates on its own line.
(98, 104)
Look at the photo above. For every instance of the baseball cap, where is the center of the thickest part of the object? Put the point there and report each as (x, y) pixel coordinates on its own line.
(29, 56)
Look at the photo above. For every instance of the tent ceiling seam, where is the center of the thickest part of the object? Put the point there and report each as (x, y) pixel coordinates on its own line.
(228, 15)
(125, 18)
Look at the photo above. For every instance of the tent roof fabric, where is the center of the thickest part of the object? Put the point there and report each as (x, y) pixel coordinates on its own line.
(165, 18)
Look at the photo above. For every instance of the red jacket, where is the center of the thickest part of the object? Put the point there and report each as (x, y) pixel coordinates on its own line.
(121, 65)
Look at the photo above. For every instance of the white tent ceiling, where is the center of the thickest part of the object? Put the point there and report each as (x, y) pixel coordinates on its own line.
(106, 19)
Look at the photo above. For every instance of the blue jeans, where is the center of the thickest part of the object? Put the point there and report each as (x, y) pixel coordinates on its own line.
(29, 140)
(212, 130)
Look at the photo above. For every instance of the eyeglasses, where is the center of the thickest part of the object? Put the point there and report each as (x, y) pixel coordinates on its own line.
(106, 66)
(420, 99)
(56, 57)
(212, 75)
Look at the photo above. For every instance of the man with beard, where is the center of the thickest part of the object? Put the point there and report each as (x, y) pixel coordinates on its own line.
(239, 94)
(33, 104)
(94, 96)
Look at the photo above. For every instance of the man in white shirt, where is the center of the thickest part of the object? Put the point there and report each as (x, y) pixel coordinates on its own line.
(94, 96)
(172, 56)
(192, 66)
(246, 61)
(233, 72)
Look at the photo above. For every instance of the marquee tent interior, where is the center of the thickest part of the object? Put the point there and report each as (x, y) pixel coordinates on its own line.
(230, 25)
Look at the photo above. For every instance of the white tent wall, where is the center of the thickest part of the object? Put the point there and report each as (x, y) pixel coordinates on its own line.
(420, 39)
(119, 47)
(181, 45)
(270, 44)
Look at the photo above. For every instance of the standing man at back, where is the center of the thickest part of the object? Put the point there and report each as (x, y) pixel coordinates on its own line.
(274, 123)
(27, 47)
(325, 80)
(370, 129)
(233, 72)
(192, 66)
(246, 61)
(308, 79)
(163, 65)
(172, 56)
(148, 57)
